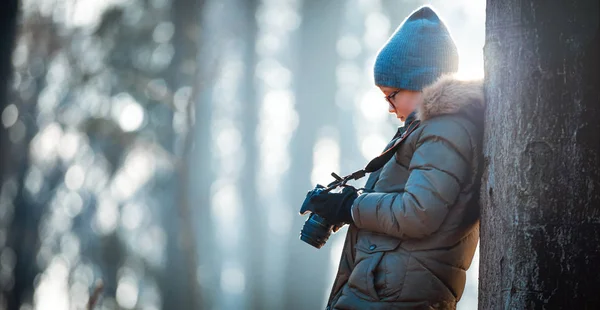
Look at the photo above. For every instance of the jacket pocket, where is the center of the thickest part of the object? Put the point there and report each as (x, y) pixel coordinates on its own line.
(378, 274)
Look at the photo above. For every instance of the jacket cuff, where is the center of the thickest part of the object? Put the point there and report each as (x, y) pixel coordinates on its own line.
(354, 210)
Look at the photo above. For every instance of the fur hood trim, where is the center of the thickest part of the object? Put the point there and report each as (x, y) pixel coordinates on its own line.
(449, 95)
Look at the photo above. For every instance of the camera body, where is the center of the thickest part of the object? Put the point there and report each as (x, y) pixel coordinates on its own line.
(316, 229)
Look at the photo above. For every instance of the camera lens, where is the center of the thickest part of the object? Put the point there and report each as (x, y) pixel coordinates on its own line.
(316, 231)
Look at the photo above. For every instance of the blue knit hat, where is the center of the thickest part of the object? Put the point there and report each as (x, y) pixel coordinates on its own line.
(418, 52)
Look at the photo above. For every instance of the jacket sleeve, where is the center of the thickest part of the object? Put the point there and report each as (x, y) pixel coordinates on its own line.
(438, 169)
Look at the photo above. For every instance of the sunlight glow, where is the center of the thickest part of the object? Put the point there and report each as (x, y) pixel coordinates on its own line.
(87, 13)
(377, 27)
(138, 168)
(10, 115)
(233, 280)
(373, 106)
(74, 177)
(127, 112)
(97, 175)
(131, 117)
(273, 73)
(278, 120)
(140, 164)
(282, 18)
(69, 144)
(107, 215)
(133, 215)
(127, 289)
(73, 204)
(43, 145)
(371, 146)
(268, 45)
(228, 141)
(79, 295)
(465, 20)
(52, 291)
(326, 158)
(225, 209)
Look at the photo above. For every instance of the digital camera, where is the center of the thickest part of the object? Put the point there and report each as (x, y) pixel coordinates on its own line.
(316, 229)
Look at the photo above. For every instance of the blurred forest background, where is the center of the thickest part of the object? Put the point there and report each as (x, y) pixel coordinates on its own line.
(160, 149)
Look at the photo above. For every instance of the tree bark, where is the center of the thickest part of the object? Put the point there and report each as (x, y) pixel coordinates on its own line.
(540, 225)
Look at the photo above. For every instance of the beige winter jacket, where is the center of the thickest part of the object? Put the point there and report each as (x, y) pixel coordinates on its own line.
(415, 235)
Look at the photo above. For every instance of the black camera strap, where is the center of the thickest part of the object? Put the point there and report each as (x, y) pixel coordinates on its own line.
(379, 161)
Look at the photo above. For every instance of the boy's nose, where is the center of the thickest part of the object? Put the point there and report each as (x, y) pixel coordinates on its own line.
(391, 108)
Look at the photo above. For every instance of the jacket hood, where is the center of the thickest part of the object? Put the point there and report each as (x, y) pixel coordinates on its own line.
(449, 95)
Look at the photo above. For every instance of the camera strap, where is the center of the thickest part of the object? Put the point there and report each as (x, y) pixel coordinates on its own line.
(379, 161)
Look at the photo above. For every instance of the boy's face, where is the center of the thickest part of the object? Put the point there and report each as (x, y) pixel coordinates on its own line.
(401, 102)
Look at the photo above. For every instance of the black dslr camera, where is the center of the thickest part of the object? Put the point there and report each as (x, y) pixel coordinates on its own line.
(316, 229)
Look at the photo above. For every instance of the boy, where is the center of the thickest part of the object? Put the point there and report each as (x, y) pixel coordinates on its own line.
(414, 229)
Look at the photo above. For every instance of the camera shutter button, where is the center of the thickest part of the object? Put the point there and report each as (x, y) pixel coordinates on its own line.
(372, 247)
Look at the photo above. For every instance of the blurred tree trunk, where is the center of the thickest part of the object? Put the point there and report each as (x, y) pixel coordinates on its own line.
(23, 237)
(8, 26)
(200, 174)
(315, 101)
(180, 286)
(254, 222)
(540, 228)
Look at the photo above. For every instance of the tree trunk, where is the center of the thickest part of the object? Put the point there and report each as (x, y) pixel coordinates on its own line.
(315, 103)
(8, 25)
(540, 225)
(254, 224)
(179, 285)
(27, 212)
